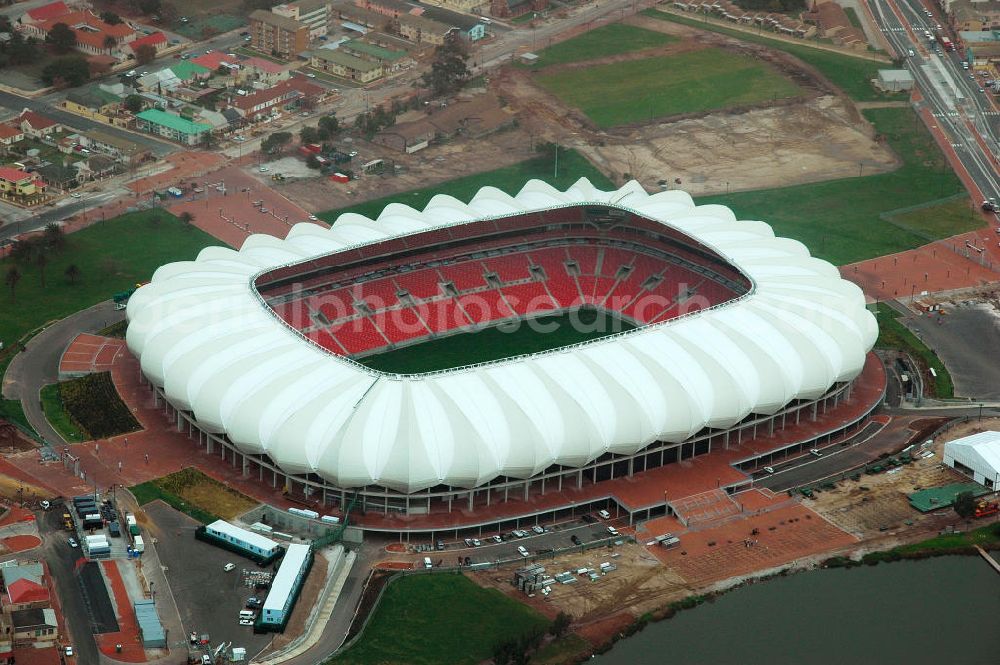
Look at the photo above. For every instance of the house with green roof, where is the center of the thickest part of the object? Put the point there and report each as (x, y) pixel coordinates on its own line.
(173, 127)
(390, 60)
(93, 102)
(345, 65)
(188, 71)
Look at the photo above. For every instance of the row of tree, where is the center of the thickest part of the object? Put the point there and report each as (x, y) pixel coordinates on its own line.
(518, 651)
(35, 251)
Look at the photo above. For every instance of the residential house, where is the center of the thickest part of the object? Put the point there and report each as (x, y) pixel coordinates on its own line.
(160, 82)
(233, 118)
(973, 15)
(37, 125)
(515, 8)
(345, 65)
(286, 96)
(157, 40)
(390, 60)
(186, 72)
(25, 594)
(470, 27)
(278, 35)
(834, 24)
(173, 127)
(468, 6)
(34, 625)
(262, 71)
(94, 103)
(19, 183)
(213, 118)
(216, 59)
(314, 14)
(473, 118)
(9, 134)
(121, 150)
(362, 20)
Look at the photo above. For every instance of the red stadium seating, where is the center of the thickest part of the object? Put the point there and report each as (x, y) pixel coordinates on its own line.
(465, 276)
(378, 293)
(420, 283)
(400, 325)
(358, 335)
(528, 298)
(509, 268)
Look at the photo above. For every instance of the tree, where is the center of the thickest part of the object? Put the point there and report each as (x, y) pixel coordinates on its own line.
(61, 38)
(312, 161)
(145, 53)
(133, 103)
(965, 504)
(54, 238)
(72, 273)
(111, 18)
(11, 279)
(23, 250)
(21, 51)
(329, 126)
(186, 218)
(449, 72)
(67, 71)
(110, 42)
(41, 261)
(309, 135)
(275, 142)
(560, 625)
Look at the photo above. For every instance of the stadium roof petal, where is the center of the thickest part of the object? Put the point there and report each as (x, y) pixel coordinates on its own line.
(203, 333)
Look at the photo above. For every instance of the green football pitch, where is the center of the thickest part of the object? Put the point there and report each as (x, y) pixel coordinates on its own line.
(502, 341)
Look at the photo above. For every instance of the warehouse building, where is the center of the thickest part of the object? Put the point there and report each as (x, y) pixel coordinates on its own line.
(285, 587)
(977, 456)
(241, 540)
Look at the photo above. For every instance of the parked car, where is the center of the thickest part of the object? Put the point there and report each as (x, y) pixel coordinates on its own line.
(613, 531)
(72, 542)
(440, 545)
(497, 539)
(538, 529)
(605, 515)
(522, 551)
(468, 542)
(253, 602)
(769, 469)
(476, 542)
(264, 169)
(76, 195)
(575, 539)
(229, 567)
(246, 622)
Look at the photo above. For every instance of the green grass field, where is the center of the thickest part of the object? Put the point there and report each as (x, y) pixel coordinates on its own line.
(839, 219)
(572, 167)
(503, 341)
(611, 39)
(944, 219)
(892, 334)
(58, 417)
(641, 90)
(982, 536)
(440, 620)
(852, 75)
(112, 256)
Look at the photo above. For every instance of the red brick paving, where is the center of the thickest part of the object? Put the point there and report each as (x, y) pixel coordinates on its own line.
(128, 628)
(785, 534)
(226, 216)
(90, 353)
(14, 515)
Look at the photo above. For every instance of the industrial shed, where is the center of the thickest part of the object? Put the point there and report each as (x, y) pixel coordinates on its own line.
(150, 628)
(977, 456)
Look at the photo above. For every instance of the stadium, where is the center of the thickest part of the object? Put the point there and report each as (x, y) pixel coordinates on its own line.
(507, 358)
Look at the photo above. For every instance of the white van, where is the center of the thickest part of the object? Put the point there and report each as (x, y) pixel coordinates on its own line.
(427, 562)
(229, 567)
(247, 614)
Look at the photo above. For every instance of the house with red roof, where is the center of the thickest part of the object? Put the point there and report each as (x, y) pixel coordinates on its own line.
(25, 594)
(93, 35)
(286, 96)
(15, 182)
(157, 40)
(37, 125)
(214, 59)
(45, 12)
(263, 71)
(10, 134)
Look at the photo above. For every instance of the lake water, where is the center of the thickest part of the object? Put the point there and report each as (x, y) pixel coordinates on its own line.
(943, 611)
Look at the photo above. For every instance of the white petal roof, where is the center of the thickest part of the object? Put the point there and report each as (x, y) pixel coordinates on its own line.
(202, 333)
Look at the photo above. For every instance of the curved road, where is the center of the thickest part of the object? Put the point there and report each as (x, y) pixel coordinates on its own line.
(38, 364)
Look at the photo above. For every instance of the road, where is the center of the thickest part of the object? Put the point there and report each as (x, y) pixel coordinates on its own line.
(38, 364)
(965, 116)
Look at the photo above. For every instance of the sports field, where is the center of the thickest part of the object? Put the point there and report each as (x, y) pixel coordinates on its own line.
(503, 341)
(641, 90)
(850, 74)
(571, 167)
(440, 620)
(839, 220)
(611, 39)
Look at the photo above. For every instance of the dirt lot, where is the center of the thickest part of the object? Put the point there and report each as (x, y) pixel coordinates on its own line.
(873, 504)
(819, 137)
(639, 583)
(421, 169)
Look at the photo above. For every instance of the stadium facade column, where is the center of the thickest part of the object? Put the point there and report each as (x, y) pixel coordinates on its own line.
(579, 479)
(472, 494)
(487, 496)
(631, 466)
(246, 472)
(815, 411)
(527, 484)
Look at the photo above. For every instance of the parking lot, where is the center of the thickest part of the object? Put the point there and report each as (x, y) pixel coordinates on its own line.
(209, 598)
(555, 536)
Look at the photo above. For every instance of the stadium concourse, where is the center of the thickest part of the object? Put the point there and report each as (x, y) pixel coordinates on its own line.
(743, 348)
